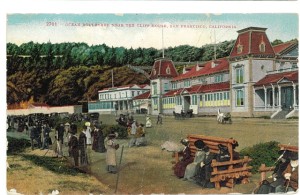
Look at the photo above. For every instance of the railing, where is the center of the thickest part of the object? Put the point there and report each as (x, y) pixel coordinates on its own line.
(282, 70)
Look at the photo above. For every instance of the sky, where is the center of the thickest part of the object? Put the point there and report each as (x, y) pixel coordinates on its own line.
(145, 30)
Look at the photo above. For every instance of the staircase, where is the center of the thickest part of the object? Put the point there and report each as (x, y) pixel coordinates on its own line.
(281, 114)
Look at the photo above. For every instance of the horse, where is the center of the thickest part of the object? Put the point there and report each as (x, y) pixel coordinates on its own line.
(220, 116)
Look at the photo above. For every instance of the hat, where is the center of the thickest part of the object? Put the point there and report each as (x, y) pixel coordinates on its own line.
(293, 155)
(184, 142)
(285, 153)
(222, 148)
(87, 124)
(112, 135)
(199, 144)
(67, 124)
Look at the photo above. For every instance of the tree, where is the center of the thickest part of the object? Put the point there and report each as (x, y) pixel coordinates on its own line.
(276, 42)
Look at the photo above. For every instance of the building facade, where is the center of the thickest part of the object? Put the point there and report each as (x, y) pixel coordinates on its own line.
(256, 79)
(117, 99)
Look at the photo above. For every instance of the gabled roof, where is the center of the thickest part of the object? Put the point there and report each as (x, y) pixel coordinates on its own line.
(281, 48)
(249, 39)
(221, 65)
(274, 78)
(163, 68)
(124, 87)
(146, 95)
(200, 89)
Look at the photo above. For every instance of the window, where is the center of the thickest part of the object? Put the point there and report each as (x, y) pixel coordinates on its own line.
(219, 78)
(174, 85)
(262, 47)
(178, 100)
(194, 99)
(166, 86)
(239, 97)
(168, 71)
(239, 48)
(155, 89)
(239, 75)
(187, 83)
(138, 92)
(155, 101)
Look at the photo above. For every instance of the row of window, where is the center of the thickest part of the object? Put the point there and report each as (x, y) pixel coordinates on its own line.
(210, 99)
(187, 83)
(100, 105)
(114, 96)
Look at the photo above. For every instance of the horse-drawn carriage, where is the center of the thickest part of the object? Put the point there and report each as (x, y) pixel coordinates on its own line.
(183, 115)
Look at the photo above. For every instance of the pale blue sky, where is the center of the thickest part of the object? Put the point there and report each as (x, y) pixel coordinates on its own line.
(33, 27)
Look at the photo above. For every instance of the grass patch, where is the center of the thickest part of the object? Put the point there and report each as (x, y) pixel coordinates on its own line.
(293, 117)
(15, 167)
(78, 186)
(56, 165)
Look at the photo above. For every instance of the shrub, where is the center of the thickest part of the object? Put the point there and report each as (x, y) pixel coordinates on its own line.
(17, 145)
(122, 131)
(262, 153)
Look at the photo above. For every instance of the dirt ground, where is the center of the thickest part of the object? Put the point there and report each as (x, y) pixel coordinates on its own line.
(145, 170)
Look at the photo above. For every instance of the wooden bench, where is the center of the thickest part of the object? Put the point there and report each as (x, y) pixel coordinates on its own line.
(263, 169)
(237, 169)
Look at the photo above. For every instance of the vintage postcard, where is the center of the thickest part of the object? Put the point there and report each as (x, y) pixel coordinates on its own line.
(152, 103)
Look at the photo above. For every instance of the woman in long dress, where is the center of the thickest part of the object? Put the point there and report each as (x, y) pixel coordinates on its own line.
(192, 169)
(179, 168)
(111, 148)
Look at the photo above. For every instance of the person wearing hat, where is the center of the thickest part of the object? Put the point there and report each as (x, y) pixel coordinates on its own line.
(74, 148)
(140, 136)
(281, 165)
(132, 134)
(290, 174)
(88, 133)
(179, 168)
(192, 169)
(67, 133)
(222, 156)
(98, 143)
(60, 139)
(82, 148)
(111, 148)
(204, 174)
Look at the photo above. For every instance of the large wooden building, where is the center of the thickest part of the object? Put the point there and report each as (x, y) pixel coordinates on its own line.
(256, 79)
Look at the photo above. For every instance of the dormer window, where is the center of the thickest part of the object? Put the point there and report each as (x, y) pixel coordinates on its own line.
(239, 48)
(154, 72)
(168, 70)
(262, 47)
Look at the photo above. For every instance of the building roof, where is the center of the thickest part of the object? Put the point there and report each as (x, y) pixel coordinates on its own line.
(200, 89)
(163, 68)
(210, 67)
(274, 78)
(280, 48)
(124, 87)
(146, 95)
(249, 41)
(173, 92)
